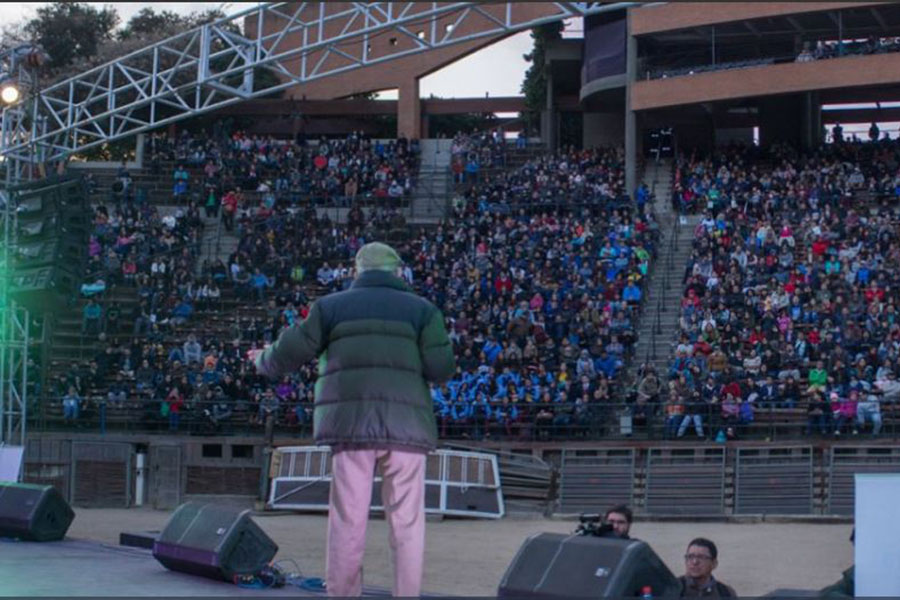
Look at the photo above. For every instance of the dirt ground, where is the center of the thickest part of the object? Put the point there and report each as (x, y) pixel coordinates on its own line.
(469, 557)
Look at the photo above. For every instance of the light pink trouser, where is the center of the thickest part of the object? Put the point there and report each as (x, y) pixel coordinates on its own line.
(403, 497)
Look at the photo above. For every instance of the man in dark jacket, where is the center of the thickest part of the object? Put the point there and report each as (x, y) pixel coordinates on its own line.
(380, 345)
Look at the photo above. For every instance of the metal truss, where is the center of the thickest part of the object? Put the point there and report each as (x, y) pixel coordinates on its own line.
(17, 130)
(219, 64)
(13, 375)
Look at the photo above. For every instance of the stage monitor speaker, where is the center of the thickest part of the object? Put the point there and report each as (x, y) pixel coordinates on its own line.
(36, 513)
(213, 541)
(553, 565)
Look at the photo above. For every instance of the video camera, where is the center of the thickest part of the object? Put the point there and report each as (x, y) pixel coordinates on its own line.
(592, 524)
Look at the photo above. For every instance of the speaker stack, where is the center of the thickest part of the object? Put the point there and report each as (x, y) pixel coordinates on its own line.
(53, 223)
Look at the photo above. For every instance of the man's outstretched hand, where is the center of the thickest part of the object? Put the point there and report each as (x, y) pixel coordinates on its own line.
(253, 357)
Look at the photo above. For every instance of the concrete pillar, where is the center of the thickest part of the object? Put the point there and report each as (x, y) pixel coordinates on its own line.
(409, 110)
(812, 120)
(549, 118)
(807, 121)
(139, 151)
(631, 151)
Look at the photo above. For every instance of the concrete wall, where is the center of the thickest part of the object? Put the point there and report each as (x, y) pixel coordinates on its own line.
(727, 136)
(781, 120)
(603, 129)
(847, 72)
(700, 135)
(680, 15)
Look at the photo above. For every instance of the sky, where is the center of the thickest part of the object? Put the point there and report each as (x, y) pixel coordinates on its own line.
(500, 67)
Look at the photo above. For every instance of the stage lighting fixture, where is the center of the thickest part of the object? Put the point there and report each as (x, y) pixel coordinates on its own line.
(9, 93)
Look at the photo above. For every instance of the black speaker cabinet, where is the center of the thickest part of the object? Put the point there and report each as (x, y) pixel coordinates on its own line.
(553, 565)
(35, 513)
(213, 541)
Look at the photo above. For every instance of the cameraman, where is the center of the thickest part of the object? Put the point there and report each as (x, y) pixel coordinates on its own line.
(614, 524)
(619, 518)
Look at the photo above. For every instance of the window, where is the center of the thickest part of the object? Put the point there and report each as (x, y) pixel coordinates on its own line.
(242, 451)
(212, 450)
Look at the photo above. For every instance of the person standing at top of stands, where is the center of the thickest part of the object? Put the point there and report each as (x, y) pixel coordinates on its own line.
(700, 561)
(619, 518)
(837, 133)
(874, 132)
(380, 345)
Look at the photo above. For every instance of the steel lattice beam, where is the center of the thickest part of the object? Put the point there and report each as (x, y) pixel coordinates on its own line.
(13, 375)
(213, 65)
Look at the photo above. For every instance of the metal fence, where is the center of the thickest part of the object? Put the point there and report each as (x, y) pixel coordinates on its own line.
(685, 481)
(774, 480)
(492, 422)
(848, 461)
(689, 481)
(594, 478)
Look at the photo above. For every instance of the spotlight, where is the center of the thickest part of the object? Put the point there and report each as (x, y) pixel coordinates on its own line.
(9, 93)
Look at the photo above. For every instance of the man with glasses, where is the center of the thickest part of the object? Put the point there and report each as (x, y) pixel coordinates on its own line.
(698, 581)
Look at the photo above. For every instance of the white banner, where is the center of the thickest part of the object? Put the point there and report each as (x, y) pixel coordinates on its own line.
(877, 552)
(11, 463)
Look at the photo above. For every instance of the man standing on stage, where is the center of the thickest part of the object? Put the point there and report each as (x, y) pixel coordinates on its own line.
(380, 345)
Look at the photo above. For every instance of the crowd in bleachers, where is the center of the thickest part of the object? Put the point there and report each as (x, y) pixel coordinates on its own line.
(554, 180)
(823, 50)
(472, 153)
(790, 294)
(539, 274)
(329, 171)
(135, 243)
(790, 299)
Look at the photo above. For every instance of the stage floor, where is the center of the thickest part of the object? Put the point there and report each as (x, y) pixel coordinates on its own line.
(83, 568)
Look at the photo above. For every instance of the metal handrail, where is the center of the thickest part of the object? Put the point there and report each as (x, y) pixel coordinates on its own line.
(141, 413)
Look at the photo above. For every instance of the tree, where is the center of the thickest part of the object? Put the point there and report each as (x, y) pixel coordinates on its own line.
(68, 31)
(534, 86)
(148, 23)
(450, 125)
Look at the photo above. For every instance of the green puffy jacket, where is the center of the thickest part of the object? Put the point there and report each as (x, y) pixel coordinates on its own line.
(378, 345)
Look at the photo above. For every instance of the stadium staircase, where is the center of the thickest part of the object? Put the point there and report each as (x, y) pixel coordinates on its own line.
(429, 200)
(435, 187)
(216, 243)
(659, 318)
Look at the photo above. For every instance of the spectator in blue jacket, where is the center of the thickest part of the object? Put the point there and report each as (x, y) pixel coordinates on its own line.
(71, 403)
(607, 364)
(632, 293)
(92, 315)
(492, 350)
(260, 282)
(183, 311)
